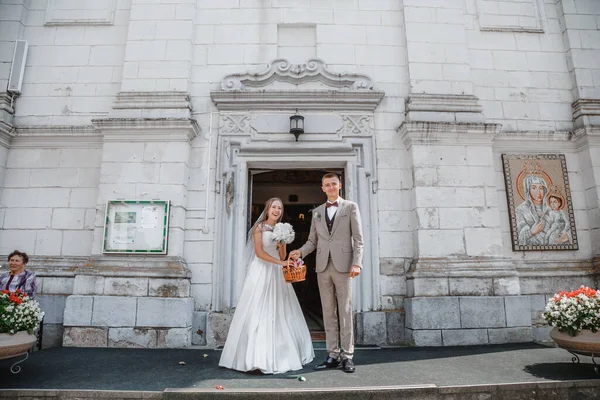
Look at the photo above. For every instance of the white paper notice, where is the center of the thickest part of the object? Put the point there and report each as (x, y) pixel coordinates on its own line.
(149, 218)
(123, 234)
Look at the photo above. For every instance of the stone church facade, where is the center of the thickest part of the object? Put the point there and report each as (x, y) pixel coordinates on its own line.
(414, 102)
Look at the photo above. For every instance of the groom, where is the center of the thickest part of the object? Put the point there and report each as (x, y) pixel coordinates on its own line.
(336, 233)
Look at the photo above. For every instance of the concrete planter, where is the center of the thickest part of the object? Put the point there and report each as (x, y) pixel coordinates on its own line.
(585, 342)
(15, 345)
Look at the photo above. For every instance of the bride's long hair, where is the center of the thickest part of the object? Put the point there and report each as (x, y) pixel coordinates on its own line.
(250, 252)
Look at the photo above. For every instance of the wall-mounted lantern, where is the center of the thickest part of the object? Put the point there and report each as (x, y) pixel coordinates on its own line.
(296, 125)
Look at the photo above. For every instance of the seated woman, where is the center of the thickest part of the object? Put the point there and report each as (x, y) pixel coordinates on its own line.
(18, 277)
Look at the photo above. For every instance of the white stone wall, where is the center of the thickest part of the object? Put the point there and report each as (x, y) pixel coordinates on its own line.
(580, 24)
(74, 68)
(351, 36)
(520, 75)
(159, 46)
(440, 191)
(12, 25)
(49, 201)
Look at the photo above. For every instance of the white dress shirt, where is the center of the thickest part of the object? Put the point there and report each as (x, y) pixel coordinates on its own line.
(332, 210)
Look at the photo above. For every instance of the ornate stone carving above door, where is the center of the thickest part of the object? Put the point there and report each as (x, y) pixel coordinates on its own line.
(284, 71)
(286, 86)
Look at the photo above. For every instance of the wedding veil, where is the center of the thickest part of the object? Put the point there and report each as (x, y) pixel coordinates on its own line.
(249, 251)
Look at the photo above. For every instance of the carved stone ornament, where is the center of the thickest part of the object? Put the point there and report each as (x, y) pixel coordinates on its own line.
(284, 71)
(357, 125)
(235, 123)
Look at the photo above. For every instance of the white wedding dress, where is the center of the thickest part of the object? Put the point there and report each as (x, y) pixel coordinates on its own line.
(268, 331)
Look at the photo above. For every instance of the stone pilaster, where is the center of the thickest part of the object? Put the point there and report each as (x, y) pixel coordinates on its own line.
(458, 242)
(588, 139)
(438, 64)
(458, 238)
(130, 301)
(582, 51)
(133, 301)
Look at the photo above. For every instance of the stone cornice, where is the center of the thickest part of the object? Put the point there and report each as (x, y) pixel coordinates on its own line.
(152, 105)
(536, 268)
(152, 100)
(544, 140)
(583, 107)
(452, 103)
(53, 136)
(6, 116)
(479, 267)
(302, 100)
(283, 71)
(6, 134)
(124, 266)
(587, 136)
(6, 103)
(147, 130)
(447, 133)
(586, 112)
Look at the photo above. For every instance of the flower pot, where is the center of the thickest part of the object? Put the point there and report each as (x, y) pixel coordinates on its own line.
(17, 344)
(585, 342)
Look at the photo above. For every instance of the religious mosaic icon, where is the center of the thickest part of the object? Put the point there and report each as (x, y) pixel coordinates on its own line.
(539, 202)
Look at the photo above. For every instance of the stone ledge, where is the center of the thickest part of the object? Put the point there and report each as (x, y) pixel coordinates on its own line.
(537, 390)
(58, 394)
(289, 100)
(586, 112)
(142, 128)
(447, 133)
(439, 107)
(163, 267)
(531, 390)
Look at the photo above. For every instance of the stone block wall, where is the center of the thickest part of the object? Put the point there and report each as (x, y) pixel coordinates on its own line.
(109, 109)
(129, 312)
(519, 70)
(74, 67)
(474, 320)
(49, 199)
(53, 289)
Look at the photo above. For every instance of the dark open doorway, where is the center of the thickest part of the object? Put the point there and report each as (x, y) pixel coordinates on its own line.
(300, 191)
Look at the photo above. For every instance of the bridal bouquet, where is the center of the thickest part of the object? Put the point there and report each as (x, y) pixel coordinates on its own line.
(574, 311)
(283, 232)
(19, 312)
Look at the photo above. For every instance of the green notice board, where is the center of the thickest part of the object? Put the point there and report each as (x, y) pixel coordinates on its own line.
(136, 226)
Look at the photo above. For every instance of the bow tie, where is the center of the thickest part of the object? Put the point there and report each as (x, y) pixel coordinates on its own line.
(334, 204)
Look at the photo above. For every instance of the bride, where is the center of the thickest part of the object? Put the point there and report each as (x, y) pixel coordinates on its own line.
(268, 331)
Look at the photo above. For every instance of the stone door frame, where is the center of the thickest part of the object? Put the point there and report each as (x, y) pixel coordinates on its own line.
(232, 207)
(254, 110)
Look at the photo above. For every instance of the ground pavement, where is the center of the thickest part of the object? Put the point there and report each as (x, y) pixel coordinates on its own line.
(173, 373)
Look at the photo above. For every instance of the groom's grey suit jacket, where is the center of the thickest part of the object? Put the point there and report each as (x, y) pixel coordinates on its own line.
(344, 243)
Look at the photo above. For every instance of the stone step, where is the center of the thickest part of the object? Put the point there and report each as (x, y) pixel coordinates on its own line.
(577, 389)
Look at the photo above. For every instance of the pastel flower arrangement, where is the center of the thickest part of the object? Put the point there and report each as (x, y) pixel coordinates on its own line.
(283, 232)
(19, 312)
(574, 311)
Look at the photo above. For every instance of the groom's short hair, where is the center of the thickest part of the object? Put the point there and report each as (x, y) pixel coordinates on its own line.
(330, 175)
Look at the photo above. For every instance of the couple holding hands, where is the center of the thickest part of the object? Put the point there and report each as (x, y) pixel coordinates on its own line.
(268, 331)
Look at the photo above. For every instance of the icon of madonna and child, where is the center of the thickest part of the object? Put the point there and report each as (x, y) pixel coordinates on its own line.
(541, 213)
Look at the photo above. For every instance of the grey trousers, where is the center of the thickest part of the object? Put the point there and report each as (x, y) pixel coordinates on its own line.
(336, 295)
